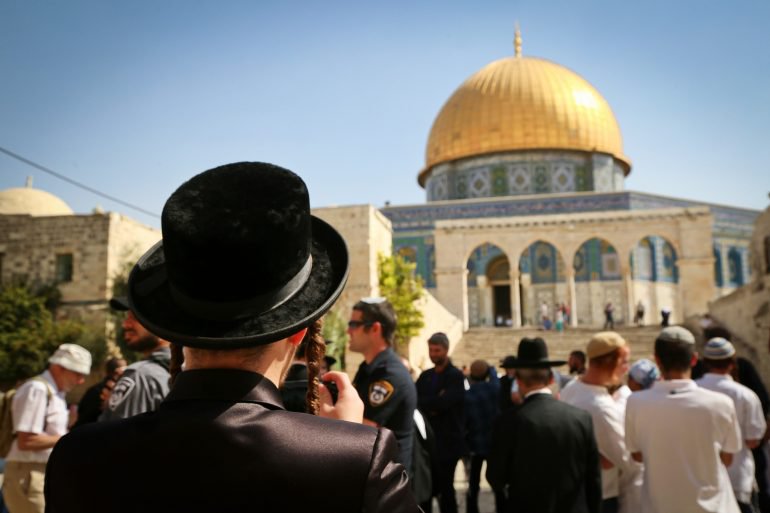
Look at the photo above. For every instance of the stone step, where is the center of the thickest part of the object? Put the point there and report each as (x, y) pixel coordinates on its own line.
(493, 344)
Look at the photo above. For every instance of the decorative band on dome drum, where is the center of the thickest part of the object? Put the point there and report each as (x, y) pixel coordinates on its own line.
(253, 306)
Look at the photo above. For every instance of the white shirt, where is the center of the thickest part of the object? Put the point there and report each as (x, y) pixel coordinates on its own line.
(34, 413)
(609, 430)
(680, 430)
(753, 425)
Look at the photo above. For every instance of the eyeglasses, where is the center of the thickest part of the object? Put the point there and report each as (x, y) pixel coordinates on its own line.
(355, 324)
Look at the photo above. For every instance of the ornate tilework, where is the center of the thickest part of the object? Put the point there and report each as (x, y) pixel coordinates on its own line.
(563, 178)
(642, 261)
(520, 179)
(479, 183)
(668, 271)
(583, 179)
(438, 186)
(542, 179)
(499, 180)
(461, 185)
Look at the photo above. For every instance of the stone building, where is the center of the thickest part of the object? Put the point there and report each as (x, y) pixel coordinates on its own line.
(43, 242)
(526, 210)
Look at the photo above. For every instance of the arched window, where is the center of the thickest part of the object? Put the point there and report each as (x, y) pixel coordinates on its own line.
(735, 266)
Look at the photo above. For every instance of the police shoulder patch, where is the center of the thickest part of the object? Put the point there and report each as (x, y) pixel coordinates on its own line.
(379, 392)
(123, 387)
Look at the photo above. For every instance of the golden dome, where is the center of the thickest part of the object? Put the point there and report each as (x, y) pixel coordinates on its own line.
(34, 202)
(523, 103)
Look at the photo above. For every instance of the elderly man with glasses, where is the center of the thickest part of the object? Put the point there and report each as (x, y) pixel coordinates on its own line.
(382, 381)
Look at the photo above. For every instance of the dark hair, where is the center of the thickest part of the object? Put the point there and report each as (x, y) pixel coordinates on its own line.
(721, 364)
(533, 377)
(381, 312)
(674, 356)
(580, 354)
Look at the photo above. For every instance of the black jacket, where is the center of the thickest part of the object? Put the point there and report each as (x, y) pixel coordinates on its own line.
(441, 399)
(221, 441)
(544, 456)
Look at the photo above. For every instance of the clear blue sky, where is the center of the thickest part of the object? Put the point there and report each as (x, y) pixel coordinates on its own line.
(135, 97)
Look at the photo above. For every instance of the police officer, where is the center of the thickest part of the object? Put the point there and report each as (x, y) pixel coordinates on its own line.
(143, 384)
(382, 381)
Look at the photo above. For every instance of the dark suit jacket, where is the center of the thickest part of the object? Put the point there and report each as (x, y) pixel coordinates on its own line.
(221, 441)
(544, 455)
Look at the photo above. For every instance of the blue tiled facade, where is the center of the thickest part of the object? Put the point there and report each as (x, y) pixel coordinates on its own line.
(413, 224)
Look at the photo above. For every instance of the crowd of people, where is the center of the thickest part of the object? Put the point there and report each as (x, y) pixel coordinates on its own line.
(233, 405)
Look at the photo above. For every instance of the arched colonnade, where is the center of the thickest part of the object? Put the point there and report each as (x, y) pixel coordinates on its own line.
(686, 231)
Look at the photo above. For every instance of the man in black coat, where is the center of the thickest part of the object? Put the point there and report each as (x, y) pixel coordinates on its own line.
(544, 456)
(440, 398)
(242, 274)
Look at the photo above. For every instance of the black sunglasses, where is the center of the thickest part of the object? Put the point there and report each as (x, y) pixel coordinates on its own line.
(356, 324)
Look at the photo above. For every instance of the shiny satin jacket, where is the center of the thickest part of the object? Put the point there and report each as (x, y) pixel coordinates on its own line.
(221, 441)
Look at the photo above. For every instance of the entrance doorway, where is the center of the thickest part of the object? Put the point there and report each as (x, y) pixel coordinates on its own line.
(502, 304)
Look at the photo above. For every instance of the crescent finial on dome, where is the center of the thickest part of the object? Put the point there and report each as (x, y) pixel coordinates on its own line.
(517, 41)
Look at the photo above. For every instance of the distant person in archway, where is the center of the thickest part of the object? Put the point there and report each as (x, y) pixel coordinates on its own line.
(609, 322)
(664, 316)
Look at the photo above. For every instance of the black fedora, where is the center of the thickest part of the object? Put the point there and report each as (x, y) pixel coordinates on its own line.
(242, 261)
(533, 354)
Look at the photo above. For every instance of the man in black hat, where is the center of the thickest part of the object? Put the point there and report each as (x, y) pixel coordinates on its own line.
(242, 274)
(508, 388)
(544, 456)
(143, 384)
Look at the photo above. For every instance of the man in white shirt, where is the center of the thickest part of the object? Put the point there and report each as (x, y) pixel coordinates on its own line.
(685, 435)
(719, 358)
(40, 418)
(608, 356)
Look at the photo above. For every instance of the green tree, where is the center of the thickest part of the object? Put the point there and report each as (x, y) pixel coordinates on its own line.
(120, 289)
(335, 333)
(29, 334)
(402, 287)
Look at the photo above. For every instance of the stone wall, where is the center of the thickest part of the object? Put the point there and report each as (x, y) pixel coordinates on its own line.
(368, 233)
(746, 311)
(30, 246)
(98, 243)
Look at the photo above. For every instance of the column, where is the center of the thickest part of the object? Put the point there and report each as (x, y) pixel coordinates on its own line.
(573, 320)
(628, 283)
(515, 299)
(486, 316)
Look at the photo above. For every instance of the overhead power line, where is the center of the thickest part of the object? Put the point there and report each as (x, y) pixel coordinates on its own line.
(76, 183)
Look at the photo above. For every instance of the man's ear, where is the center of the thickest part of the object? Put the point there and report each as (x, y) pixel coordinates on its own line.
(297, 337)
(694, 359)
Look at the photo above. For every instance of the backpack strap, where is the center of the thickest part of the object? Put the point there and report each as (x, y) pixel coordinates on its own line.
(49, 396)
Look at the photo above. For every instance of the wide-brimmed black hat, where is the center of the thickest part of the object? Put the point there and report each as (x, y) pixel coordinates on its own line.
(242, 262)
(509, 362)
(533, 354)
